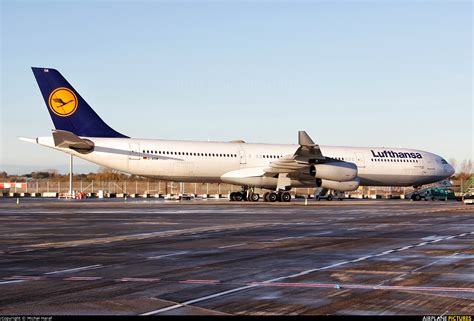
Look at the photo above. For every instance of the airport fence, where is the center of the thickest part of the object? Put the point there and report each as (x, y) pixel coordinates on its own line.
(160, 188)
(118, 187)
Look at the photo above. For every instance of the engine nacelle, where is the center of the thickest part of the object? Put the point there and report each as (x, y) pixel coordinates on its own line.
(339, 186)
(334, 171)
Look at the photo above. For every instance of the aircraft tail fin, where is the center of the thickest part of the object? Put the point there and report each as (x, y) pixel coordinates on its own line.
(68, 110)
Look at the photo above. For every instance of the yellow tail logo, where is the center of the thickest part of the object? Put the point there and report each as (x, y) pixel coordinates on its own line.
(62, 102)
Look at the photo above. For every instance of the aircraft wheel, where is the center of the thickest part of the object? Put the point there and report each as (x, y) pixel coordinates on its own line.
(329, 198)
(238, 197)
(254, 197)
(273, 197)
(232, 197)
(285, 197)
(416, 197)
(278, 197)
(265, 197)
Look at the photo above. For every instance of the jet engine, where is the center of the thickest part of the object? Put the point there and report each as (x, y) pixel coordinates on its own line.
(338, 186)
(334, 171)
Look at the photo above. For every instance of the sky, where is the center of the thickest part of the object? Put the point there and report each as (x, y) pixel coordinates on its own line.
(372, 73)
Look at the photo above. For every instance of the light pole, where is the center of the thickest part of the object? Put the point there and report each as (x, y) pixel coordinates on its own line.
(70, 175)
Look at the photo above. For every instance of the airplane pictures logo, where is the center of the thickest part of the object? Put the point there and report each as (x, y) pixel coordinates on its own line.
(63, 102)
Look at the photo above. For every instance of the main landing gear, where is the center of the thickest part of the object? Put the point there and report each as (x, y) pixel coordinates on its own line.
(248, 194)
(277, 196)
(244, 195)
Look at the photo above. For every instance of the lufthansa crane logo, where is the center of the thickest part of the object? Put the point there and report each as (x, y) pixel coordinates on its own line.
(63, 102)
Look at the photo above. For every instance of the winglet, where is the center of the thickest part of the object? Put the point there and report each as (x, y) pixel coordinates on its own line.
(304, 139)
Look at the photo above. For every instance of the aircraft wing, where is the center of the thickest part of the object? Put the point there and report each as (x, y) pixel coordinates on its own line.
(307, 154)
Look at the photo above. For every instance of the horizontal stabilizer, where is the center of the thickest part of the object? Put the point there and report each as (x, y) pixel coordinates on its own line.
(28, 139)
(65, 139)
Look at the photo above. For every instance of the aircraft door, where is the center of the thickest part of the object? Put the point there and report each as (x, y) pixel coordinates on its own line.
(429, 168)
(134, 151)
(243, 157)
(360, 161)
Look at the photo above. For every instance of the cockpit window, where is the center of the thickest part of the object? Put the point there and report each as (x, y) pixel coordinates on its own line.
(443, 161)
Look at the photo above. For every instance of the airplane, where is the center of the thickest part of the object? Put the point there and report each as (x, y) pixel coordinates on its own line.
(80, 132)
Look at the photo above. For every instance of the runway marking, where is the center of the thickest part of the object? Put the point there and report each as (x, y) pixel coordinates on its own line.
(82, 278)
(372, 287)
(361, 258)
(200, 281)
(275, 280)
(233, 245)
(20, 251)
(142, 236)
(432, 237)
(89, 267)
(13, 281)
(25, 277)
(284, 238)
(139, 279)
(208, 297)
(166, 255)
(434, 262)
(320, 233)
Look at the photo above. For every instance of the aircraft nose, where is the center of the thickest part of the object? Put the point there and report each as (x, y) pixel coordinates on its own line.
(450, 170)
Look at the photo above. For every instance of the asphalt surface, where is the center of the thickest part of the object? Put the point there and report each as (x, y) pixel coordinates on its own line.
(215, 257)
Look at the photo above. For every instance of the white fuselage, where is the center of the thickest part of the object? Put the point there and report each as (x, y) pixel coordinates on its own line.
(194, 161)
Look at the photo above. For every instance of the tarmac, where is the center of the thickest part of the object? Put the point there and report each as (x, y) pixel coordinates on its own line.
(152, 257)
